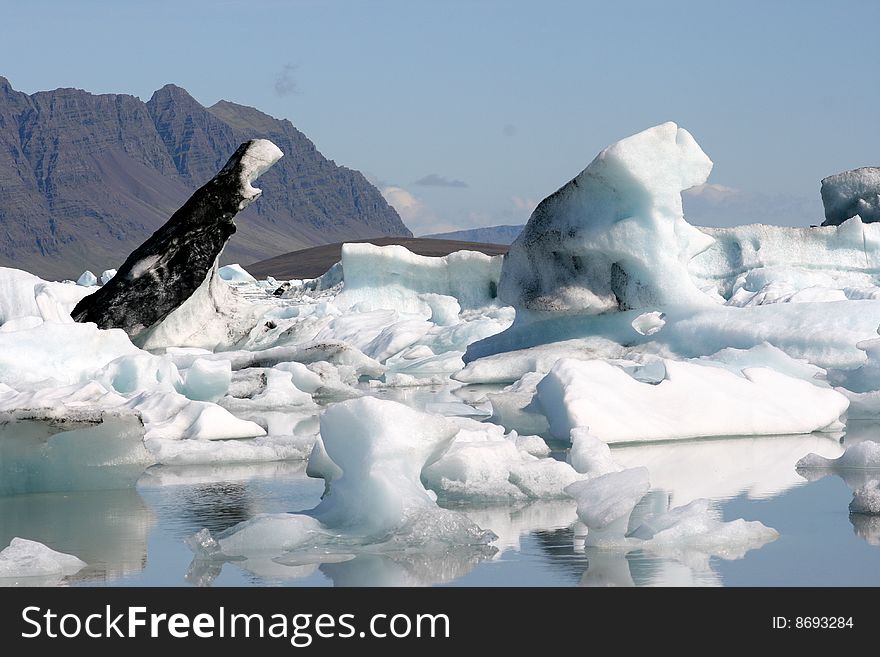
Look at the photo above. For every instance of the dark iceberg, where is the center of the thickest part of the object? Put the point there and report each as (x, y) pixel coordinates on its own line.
(852, 193)
(165, 271)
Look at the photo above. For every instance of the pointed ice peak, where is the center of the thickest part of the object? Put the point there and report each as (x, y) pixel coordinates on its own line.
(257, 158)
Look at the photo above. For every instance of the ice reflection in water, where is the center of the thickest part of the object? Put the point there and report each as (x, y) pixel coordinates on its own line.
(112, 530)
(108, 530)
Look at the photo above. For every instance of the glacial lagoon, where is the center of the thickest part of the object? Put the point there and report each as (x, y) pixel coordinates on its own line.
(136, 536)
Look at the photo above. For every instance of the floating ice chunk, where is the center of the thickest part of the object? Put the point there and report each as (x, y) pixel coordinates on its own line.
(484, 465)
(279, 392)
(381, 448)
(422, 371)
(693, 401)
(395, 338)
(610, 498)
(649, 323)
(235, 274)
(25, 295)
(863, 456)
(207, 380)
(695, 527)
(331, 351)
(511, 366)
(170, 415)
(106, 275)
(615, 236)
(852, 193)
(826, 334)
(24, 559)
(17, 294)
(444, 309)
(589, 455)
(865, 378)
(138, 372)
(205, 452)
(393, 277)
(98, 450)
(66, 353)
(87, 279)
(866, 500)
(378, 500)
(304, 378)
(766, 355)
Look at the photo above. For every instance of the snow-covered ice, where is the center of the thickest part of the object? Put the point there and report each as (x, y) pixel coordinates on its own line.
(29, 562)
(235, 274)
(691, 400)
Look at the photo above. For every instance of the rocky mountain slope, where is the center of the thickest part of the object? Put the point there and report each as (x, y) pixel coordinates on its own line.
(85, 178)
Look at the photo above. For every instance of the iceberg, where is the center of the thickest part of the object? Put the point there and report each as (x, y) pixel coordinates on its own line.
(394, 277)
(24, 561)
(610, 254)
(692, 400)
(852, 193)
(614, 237)
(168, 291)
(375, 497)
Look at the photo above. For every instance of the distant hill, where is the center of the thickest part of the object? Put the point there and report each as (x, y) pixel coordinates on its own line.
(85, 178)
(489, 235)
(311, 263)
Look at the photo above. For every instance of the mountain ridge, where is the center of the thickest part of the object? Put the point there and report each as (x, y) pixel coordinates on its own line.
(85, 178)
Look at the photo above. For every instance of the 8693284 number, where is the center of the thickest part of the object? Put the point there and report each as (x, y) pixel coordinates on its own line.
(823, 622)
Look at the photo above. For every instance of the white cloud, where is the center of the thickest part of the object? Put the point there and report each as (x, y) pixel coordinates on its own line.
(417, 216)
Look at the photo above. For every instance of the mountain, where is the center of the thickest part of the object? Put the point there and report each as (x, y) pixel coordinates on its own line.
(85, 178)
(487, 235)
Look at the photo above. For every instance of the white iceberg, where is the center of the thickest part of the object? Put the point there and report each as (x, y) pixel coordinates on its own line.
(378, 500)
(692, 400)
(25, 560)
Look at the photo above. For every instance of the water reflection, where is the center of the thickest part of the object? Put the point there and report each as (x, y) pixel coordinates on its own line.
(365, 569)
(406, 569)
(680, 472)
(218, 496)
(512, 523)
(760, 467)
(865, 526)
(106, 529)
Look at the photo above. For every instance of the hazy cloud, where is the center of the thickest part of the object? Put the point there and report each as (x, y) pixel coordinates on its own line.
(509, 130)
(712, 191)
(417, 216)
(524, 205)
(435, 180)
(285, 83)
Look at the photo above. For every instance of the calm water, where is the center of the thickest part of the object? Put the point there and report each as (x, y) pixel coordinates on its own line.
(135, 536)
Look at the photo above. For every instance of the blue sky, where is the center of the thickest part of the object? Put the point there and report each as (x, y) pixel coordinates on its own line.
(506, 100)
